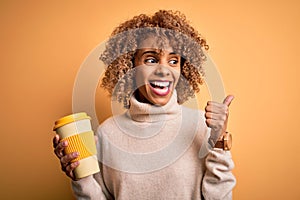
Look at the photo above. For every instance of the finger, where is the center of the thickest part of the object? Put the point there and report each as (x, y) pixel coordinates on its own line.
(65, 160)
(55, 140)
(73, 165)
(217, 108)
(96, 139)
(59, 149)
(70, 168)
(215, 116)
(227, 101)
(216, 105)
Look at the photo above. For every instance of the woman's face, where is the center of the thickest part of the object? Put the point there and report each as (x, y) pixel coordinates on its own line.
(157, 72)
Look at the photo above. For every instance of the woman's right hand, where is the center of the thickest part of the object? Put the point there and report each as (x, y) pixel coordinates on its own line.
(65, 159)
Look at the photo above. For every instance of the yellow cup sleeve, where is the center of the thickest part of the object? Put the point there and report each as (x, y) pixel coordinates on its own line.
(84, 143)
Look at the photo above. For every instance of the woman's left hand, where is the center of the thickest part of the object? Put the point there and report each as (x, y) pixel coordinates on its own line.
(216, 115)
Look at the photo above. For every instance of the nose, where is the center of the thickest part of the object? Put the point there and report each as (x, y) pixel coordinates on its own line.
(162, 71)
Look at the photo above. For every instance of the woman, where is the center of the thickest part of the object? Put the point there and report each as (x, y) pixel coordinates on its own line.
(157, 149)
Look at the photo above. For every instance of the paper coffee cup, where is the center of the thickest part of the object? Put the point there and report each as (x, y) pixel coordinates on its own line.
(77, 130)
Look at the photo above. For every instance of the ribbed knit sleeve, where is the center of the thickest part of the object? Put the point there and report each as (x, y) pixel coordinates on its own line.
(87, 189)
(218, 180)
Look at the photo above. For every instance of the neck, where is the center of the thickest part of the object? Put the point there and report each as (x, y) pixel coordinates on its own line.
(145, 112)
(139, 97)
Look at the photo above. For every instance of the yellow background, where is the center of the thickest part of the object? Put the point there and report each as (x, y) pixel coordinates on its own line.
(254, 43)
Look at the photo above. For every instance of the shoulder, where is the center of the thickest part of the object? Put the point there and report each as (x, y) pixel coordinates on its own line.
(112, 123)
(109, 123)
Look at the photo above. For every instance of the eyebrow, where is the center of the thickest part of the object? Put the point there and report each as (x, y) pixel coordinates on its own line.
(156, 53)
(152, 52)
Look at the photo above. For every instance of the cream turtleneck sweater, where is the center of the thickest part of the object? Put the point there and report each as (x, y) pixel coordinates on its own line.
(153, 152)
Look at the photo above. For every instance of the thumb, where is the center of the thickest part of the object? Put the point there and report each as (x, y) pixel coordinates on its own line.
(227, 101)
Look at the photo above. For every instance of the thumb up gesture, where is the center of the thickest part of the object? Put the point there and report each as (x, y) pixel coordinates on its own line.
(216, 115)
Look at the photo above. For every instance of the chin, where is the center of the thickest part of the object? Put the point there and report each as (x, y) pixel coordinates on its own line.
(160, 100)
(160, 103)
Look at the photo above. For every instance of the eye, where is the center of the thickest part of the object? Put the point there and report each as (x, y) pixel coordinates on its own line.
(150, 60)
(173, 61)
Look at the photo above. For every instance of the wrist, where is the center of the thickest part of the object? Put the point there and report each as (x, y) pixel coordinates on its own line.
(223, 142)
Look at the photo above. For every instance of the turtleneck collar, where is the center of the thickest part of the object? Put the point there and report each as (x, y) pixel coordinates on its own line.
(144, 112)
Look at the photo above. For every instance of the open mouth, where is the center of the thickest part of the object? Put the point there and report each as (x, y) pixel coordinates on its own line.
(160, 88)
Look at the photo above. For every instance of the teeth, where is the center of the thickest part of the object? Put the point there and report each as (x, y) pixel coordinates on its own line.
(161, 83)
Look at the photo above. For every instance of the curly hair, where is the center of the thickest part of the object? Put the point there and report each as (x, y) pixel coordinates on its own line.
(121, 47)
